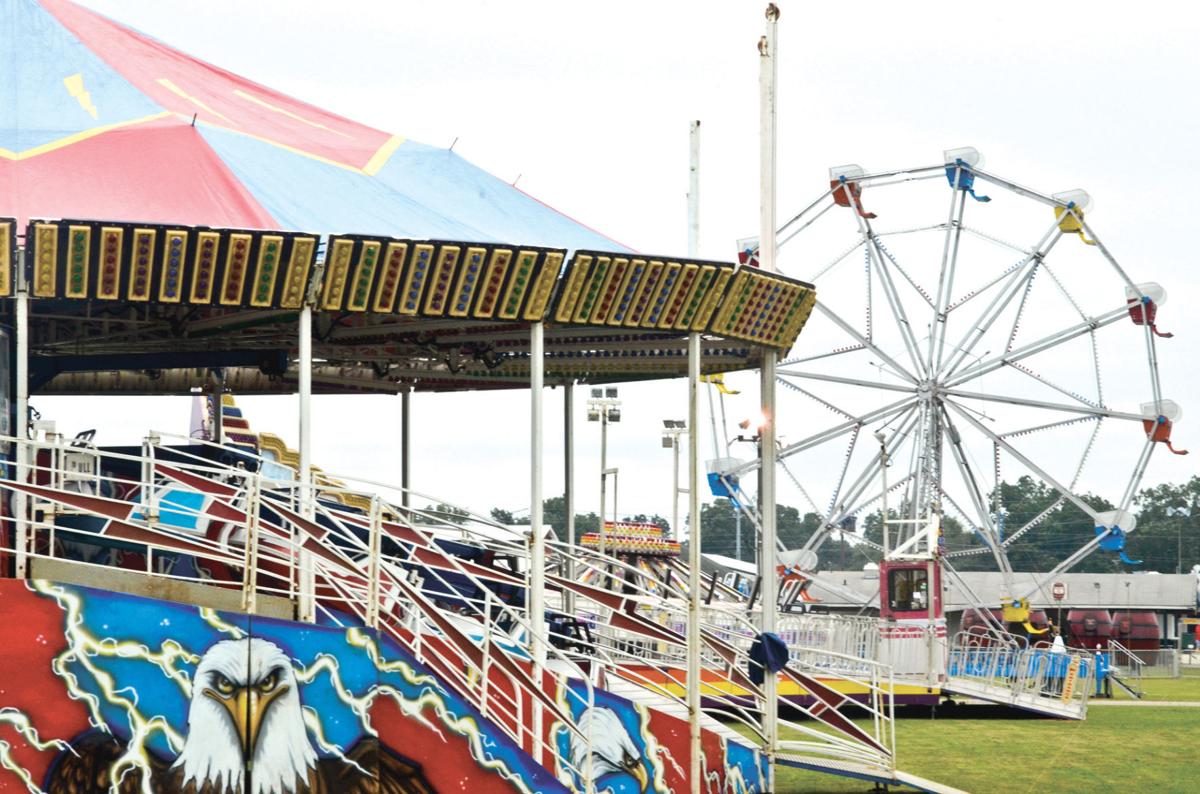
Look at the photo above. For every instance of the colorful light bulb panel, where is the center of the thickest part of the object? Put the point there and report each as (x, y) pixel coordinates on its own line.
(442, 276)
(603, 289)
(95, 260)
(8, 255)
(79, 254)
(764, 308)
(141, 263)
(386, 290)
(470, 275)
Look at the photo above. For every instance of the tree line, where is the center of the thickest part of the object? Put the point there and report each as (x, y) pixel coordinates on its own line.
(1166, 539)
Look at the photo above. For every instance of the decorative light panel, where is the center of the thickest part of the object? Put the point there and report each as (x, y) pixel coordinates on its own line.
(93, 260)
(764, 308)
(441, 277)
(467, 285)
(8, 255)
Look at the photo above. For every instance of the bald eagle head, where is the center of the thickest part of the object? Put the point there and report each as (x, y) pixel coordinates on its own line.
(245, 705)
(612, 748)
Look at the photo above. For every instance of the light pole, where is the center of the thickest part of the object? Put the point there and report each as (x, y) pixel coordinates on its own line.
(604, 407)
(672, 430)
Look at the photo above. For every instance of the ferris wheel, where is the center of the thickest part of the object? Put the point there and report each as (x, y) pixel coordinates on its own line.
(969, 332)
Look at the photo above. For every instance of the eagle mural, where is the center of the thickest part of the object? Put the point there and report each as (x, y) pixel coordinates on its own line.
(612, 749)
(245, 735)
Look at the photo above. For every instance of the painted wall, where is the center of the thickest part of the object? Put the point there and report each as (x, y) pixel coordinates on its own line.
(98, 686)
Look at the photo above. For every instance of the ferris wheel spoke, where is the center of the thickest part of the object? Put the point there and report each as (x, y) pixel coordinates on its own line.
(1033, 467)
(804, 225)
(865, 342)
(836, 261)
(834, 432)
(1152, 352)
(861, 481)
(867, 384)
(1000, 302)
(893, 300)
(1005, 244)
(1065, 292)
(1024, 370)
(1139, 471)
(817, 357)
(937, 339)
(1049, 406)
(885, 253)
(986, 522)
(800, 487)
(1067, 564)
(983, 367)
(1025, 431)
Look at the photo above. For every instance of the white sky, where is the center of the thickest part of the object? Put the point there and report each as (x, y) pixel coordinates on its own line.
(589, 104)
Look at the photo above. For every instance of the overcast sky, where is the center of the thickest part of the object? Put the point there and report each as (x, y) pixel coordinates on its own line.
(588, 106)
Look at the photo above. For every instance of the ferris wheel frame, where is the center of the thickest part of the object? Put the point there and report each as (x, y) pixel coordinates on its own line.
(931, 378)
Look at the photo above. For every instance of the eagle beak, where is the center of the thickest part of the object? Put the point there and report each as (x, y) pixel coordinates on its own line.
(247, 707)
(635, 767)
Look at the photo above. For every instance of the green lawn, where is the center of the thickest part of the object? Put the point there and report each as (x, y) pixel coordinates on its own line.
(1149, 749)
(1186, 687)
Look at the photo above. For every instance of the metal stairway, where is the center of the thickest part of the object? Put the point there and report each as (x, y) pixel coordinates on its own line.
(1031, 679)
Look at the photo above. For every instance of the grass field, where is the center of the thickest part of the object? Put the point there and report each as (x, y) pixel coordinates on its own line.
(1148, 749)
(1185, 688)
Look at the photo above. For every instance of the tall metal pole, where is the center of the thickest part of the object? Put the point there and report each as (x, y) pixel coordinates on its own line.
(768, 58)
(21, 429)
(308, 506)
(695, 580)
(405, 445)
(603, 473)
(537, 542)
(536, 610)
(569, 485)
(675, 485)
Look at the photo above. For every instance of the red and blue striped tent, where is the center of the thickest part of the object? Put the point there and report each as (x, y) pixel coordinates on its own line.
(100, 121)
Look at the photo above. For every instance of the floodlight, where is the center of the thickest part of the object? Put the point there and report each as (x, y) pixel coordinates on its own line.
(614, 414)
(597, 394)
(593, 415)
(667, 442)
(610, 392)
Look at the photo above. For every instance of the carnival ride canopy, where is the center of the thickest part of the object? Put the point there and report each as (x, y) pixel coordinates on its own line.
(192, 212)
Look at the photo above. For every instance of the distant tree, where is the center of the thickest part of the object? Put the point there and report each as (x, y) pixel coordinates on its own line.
(502, 516)
(448, 512)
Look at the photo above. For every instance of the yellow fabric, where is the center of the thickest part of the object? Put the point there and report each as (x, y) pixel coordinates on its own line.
(718, 380)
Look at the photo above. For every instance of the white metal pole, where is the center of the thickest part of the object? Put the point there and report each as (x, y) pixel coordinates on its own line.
(405, 445)
(537, 555)
(695, 580)
(675, 484)
(768, 57)
(603, 473)
(21, 430)
(307, 576)
(569, 486)
(536, 610)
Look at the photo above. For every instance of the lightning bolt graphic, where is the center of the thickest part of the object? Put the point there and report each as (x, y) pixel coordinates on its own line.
(82, 648)
(21, 723)
(432, 697)
(655, 753)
